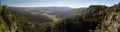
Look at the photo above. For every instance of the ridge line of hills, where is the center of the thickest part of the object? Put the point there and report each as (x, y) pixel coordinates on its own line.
(96, 18)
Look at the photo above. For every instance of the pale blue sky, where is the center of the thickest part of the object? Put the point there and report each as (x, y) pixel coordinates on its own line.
(59, 3)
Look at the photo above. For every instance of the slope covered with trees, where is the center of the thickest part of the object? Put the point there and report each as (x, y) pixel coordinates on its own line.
(29, 16)
(7, 20)
(97, 18)
(9, 23)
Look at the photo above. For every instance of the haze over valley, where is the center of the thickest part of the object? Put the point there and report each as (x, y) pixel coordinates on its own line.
(60, 16)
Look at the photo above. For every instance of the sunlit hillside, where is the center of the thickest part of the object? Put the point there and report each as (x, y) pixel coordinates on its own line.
(60, 16)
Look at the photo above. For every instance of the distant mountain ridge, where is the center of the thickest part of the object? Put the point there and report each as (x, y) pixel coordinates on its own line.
(96, 18)
(60, 12)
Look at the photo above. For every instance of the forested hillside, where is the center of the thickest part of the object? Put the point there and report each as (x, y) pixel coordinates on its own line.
(8, 21)
(22, 14)
(96, 18)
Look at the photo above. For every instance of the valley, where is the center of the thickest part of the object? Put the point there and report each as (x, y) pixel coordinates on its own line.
(95, 18)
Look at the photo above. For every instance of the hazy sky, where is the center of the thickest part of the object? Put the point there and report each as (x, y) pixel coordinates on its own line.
(59, 3)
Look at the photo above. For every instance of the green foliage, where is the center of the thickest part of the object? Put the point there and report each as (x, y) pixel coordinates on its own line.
(91, 20)
(8, 21)
(28, 16)
(83, 22)
(97, 18)
(3, 26)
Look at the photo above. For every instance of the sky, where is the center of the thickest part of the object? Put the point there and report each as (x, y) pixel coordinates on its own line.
(58, 3)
